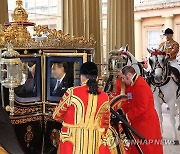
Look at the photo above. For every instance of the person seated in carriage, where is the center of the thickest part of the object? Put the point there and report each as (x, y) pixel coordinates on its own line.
(59, 83)
(29, 88)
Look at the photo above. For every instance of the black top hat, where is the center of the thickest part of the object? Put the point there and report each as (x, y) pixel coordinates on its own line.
(168, 31)
(89, 68)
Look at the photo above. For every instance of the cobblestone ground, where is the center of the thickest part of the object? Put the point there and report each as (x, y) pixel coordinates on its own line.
(167, 133)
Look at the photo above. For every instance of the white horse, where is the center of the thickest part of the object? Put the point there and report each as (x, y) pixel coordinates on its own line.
(164, 86)
(131, 61)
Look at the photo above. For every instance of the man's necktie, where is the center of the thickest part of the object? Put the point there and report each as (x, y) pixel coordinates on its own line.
(57, 85)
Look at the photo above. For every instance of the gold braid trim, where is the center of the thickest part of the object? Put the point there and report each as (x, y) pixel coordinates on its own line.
(104, 108)
(2, 150)
(66, 100)
(85, 134)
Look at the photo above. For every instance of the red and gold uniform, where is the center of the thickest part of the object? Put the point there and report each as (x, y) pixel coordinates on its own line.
(140, 112)
(85, 120)
(171, 47)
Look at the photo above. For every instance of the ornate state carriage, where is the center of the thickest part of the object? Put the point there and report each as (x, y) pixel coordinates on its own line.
(30, 115)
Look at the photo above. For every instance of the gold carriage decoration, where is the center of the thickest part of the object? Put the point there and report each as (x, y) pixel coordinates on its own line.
(17, 32)
(56, 41)
(43, 38)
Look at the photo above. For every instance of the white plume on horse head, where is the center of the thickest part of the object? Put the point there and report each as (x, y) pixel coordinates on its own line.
(121, 48)
(129, 59)
(126, 47)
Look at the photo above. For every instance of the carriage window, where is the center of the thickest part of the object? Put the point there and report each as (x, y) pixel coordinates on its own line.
(154, 38)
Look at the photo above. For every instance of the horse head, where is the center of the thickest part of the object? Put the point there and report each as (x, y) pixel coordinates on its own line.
(159, 65)
(130, 60)
(125, 54)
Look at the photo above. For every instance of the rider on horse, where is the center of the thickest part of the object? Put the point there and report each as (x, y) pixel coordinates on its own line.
(171, 49)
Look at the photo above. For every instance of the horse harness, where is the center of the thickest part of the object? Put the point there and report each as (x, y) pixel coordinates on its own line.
(165, 80)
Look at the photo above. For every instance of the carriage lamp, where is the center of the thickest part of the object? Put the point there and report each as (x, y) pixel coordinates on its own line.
(115, 64)
(10, 73)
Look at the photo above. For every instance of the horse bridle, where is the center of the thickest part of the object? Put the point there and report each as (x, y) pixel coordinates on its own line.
(157, 65)
(165, 73)
(164, 69)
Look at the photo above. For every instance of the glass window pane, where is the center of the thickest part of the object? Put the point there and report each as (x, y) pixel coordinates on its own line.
(154, 38)
(41, 12)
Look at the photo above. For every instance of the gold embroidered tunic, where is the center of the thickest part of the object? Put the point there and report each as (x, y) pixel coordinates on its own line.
(171, 47)
(85, 120)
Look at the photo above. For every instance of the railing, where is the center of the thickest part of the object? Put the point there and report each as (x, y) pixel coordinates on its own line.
(147, 2)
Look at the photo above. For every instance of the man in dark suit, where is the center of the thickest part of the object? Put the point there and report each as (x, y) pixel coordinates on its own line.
(28, 89)
(60, 82)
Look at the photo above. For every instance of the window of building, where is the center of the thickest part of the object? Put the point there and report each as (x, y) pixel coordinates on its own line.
(104, 30)
(177, 33)
(41, 12)
(154, 37)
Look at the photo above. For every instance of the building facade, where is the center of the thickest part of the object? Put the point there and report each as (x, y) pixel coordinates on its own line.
(152, 17)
